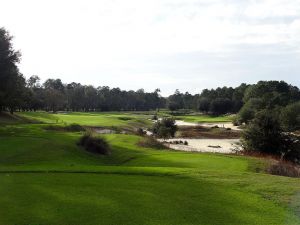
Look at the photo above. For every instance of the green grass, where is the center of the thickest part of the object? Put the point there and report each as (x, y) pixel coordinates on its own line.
(205, 118)
(7, 118)
(128, 199)
(90, 119)
(115, 119)
(195, 117)
(45, 178)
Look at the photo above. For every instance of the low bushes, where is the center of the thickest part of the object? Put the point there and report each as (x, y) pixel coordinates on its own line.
(140, 132)
(125, 118)
(179, 142)
(154, 117)
(284, 169)
(150, 142)
(69, 128)
(94, 144)
(74, 127)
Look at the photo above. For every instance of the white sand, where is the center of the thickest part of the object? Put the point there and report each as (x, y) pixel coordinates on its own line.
(202, 145)
(104, 131)
(224, 125)
(183, 123)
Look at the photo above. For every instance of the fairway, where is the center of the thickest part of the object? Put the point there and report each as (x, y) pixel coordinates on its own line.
(205, 118)
(45, 178)
(132, 199)
(90, 119)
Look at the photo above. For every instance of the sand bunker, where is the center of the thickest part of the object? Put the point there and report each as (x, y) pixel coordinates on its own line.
(104, 131)
(205, 145)
(223, 125)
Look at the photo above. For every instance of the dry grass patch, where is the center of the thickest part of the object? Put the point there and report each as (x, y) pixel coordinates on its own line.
(206, 132)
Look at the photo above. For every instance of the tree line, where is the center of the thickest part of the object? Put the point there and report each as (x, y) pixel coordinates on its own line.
(53, 95)
(217, 101)
(17, 93)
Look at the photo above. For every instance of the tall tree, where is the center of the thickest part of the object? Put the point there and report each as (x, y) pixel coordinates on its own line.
(55, 95)
(12, 83)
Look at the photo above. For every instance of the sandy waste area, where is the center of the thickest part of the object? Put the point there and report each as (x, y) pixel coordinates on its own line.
(204, 145)
(223, 125)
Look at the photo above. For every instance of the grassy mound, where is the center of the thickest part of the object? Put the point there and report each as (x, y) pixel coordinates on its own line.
(7, 118)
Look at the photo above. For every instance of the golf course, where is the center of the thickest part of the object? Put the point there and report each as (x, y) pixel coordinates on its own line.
(162, 112)
(46, 178)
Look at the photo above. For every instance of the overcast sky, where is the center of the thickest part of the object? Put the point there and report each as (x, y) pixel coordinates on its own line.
(168, 44)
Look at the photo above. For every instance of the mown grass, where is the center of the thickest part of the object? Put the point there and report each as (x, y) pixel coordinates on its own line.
(195, 117)
(205, 118)
(45, 178)
(90, 119)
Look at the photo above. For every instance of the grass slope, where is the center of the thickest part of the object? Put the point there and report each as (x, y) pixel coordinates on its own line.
(7, 118)
(45, 178)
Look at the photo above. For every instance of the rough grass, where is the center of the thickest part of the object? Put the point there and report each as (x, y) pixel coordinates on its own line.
(284, 169)
(151, 142)
(207, 132)
(45, 178)
(70, 128)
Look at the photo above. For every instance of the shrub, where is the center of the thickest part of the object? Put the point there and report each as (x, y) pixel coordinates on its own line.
(125, 118)
(154, 117)
(94, 144)
(185, 143)
(284, 169)
(70, 128)
(140, 132)
(150, 142)
(74, 127)
(236, 121)
(165, 128)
